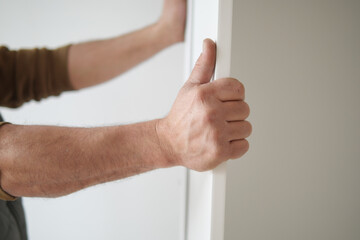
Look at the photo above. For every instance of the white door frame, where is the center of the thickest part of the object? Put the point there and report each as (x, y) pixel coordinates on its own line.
(205, 192)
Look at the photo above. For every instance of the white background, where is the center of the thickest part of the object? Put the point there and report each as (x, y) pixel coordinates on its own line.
(142, 207)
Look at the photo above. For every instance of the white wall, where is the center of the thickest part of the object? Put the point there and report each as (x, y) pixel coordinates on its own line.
(300, 63)
(142, 207)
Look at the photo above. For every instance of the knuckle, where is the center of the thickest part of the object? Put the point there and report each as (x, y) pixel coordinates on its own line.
(246, 145)
(209, 116)
(233, 81)
(241, 149)
(202, 94)
(234, 84)
(248, 127)
(239, 87)
(245, 108)
(228, 82)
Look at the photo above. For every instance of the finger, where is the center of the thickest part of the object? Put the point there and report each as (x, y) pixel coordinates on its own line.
(235, 110)
(204, 67)
(238, 130)
(228, 89)
(238, 148)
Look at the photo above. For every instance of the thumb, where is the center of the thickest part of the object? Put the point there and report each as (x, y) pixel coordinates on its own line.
(204, 67)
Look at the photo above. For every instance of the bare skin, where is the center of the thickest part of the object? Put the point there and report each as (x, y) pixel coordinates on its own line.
(91, 63)
(204, 128)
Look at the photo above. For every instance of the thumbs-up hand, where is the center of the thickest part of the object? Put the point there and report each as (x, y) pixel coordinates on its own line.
(206, 126)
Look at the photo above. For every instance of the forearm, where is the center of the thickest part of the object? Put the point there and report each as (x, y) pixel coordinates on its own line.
(91, 63)
(54, 161)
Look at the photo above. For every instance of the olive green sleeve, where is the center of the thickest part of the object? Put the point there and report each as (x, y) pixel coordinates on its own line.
(32, 74)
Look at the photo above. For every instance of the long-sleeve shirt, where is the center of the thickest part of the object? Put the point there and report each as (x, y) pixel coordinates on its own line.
(32, 74)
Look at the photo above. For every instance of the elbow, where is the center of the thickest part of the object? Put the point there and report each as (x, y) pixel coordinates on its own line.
(8, 181)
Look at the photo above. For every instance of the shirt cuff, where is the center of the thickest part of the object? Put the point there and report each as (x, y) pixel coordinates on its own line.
(4, 195)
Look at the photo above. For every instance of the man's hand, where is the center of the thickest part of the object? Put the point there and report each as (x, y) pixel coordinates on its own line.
(206, 126)
(173, 19)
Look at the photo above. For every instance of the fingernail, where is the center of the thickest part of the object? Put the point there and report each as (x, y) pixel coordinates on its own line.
(203, 46)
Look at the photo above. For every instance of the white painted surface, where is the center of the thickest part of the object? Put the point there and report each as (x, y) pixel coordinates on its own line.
(142, 207)
(222, 70)
(203, 25)
(300, 63)
(206, 191)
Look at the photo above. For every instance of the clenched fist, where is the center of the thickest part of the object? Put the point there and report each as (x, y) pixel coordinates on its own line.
(206, 126)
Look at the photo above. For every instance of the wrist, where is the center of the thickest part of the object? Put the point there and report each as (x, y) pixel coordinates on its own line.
(163, 138)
